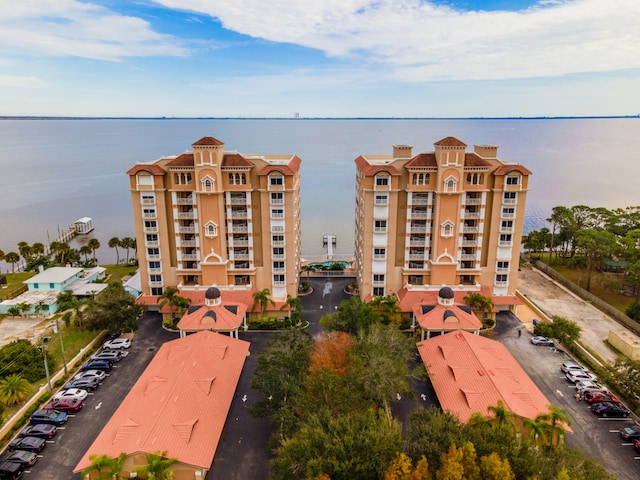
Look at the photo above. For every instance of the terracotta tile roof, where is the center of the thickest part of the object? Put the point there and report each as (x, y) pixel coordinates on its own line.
(422, 160)
(450, 142)
(225, 317)
(365, 167)
(504, 169)
(145, 167)
(475, 160)
(445, 318)
(184, 160)
(471, 373)
(205, 141)
(235, 160)
(409, 298)
(289, 169)
(179, 404)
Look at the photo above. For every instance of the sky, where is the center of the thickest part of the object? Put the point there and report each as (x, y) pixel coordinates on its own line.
(319, 58)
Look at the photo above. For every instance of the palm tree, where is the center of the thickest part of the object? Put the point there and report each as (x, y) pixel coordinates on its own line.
(555, 419)
(1, 255)
(106, 467)
(170, 297)
(295, 309)
(262, 298)
(537, 430)
(128, 243)
(24, 308)
(480, 303)
(86, 251)
(61, 249)
(114, 242)
(12, 258)
(157, 467)
(93, 244)
(14, 388)
(25, 250)
(501, 415)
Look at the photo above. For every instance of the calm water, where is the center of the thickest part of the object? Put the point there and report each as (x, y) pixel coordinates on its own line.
(55, 171)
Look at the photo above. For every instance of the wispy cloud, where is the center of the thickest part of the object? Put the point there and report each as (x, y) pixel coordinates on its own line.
(20, 81)
(420, 41)
(77, 29)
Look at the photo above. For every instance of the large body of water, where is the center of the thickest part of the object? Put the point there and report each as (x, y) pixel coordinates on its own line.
(53, 172)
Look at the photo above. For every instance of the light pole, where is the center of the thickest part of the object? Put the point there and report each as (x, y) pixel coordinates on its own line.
(46, 365)
(57, 330)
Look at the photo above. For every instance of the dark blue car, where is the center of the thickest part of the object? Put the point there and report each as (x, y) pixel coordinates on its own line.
(104, 365)
(52, 417)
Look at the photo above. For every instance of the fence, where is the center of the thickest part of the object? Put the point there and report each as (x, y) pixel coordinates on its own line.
(614, 313)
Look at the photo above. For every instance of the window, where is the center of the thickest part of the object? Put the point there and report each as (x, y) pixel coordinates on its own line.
(278, 252)
(378, 279)
(505, 239)
(51, 285)
(421, 178)
(182, 178)
(148, 198)
(382, 180)
(379, 253)
(510, 197)
(277, 198)
(415, 279)
(278, 266)
(149, 212)
(211, 229)
(475, 178)
(513, 180)
(447, 230)
(154, 265)
(155, 278)
(150, 225)
(144, 179)
(237, 179)
(278, 279)
(153, 251)
(506, 225)
(156, 291)
(508, 212)
(242, 279)
(276, 180)
(501, 279)
(380, 226)
(502, 266)
(277, 213)
(151, 238)
(378, 291)
(450, 185)
(382, 199)
(277, 239)
(207, 184)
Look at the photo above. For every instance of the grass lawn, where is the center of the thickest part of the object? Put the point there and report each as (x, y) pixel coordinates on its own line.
(14, 283)
(116, 272)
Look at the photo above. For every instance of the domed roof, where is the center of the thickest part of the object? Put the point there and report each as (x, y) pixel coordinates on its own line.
(212, 293)
(445, 292)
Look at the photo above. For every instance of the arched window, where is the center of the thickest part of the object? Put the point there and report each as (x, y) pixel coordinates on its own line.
(211, 229)
(208, 184)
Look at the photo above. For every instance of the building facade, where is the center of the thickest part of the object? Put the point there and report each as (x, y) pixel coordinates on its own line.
(444, 218)
(216, 218)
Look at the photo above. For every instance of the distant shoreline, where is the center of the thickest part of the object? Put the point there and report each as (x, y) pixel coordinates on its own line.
(317, 118)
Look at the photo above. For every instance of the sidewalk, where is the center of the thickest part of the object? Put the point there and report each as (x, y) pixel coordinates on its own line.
(554, 299)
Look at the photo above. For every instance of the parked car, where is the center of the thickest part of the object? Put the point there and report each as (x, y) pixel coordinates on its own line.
(542, 341)
(89, 384)
(29, 444)
(111, 355)
(590, 386)
(24, 458)
(70, 405)
(52, 417)
(580, 375)
(11, 470)
(104, 365)
(117, 344)
(41, 430)
(99, 374)
(636, 444)
(571, 367)
(608, 409)
(630, 433)
(599, 397)
(71, 393)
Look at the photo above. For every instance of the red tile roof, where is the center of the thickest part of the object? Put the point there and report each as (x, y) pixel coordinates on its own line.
(179, 404)
(205, 141)
(441, 318)
(225, 317)
(289, 169)
(450, 142)
(184, 160)
(504, 169)
(365, 167)
(235, 160)
(144, 167)
(471, 373)
(422, 160)
(475, 160)
(408, 298)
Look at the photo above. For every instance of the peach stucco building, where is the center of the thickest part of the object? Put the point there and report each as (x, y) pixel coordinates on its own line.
(444, 218)
(220, 218)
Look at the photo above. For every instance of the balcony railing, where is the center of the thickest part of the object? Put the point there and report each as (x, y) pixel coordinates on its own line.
(278, 270)
(505, 243)
(187, 243)
(238, 214)
(471, 214)
(277, 214)
(507, 229)
(151, 229)
(186, 215)
(148, 201)
(502, 269)
(469, 229)
(155, 270)
(189, 256)
(239, 243)
(468, 256)
(472, 201)
(419, 214)
(155, 284)
(419, 200)
(277, 243)
(240, 256)
(154, 243)
(416, 256)
(239, 229)
(509, 201)
(184, 201)
(508, 215)
(501, 283)
(278, 256)
(417, 242)
(469, 243)
(378, 283)
(279, 283)
(184, 229)
(150, 215)
(418, 229)
(379, 257)
(153, 257)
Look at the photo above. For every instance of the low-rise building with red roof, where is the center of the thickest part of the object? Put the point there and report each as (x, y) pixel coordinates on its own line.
(179, 405)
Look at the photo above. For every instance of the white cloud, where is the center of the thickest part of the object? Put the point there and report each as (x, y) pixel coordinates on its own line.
(20, 81)
(419, 41)
(73, 28)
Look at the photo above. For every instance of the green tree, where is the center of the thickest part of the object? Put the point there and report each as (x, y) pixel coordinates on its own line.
(351, 316)
(560, 218)
(86, 251)
(294, 307)
(114, 242)
(129, 243)
(93, 244)
(176, 302)
(13, 389)
(566, 331)
(61, 251)
(479, 303)
(107, 468)
(633, 310)
(157, 467)
(12, 258)
(262, 298)
(114, 310)
(492, 467)
(594, 245)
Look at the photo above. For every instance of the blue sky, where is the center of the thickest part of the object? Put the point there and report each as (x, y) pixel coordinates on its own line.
(320, 58)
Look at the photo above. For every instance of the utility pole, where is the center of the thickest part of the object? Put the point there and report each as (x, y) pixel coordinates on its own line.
(57, 330)
(46, 365)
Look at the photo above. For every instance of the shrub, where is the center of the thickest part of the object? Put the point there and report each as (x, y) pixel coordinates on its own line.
(270, 323)
(634, 311)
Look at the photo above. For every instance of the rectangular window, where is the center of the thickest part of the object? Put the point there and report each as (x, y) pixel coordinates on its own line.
(278, 279)
(415, 279)
(148, 198)
(508, 212)
(278, 266)
(510, 197)
(502, 266)
(277, 198)
(242, 279)
(277, 239)
(155, 278)
(513, 180)
(380, 226)
(156, 291)
(378, 291)
(277, 213)
(51, 285)
(149, 212)
(507, 225)
(382, 198)
(150, 225)
(276, 180)
(278, 252)
(505, 239)
(379, 253)
(154, 265)
(382, 181)
(153, 251)
(378, 279)
(501, 279)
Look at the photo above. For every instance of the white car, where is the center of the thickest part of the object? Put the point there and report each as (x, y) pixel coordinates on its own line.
(572, 367)
(71, 393)
(117, 344)
(580, 376)
(99, 374)
(590, 386)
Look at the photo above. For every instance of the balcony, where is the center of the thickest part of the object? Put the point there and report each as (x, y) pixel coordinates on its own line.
(238, 214)
(507, 229)
(416, 256)
(505, 243)
(469, 243)
(155, 284)
(279, 283)
(473, 201)
(278, 256)
(379, 257)
(240, 242)
(416, 200)
(188, 243)
(418, 229)
(509, 201)
(238, 200)
(277, 243)
(153, 243)
(153, 257)
(419, 214)
(189, 257)
(468, 257)
(378, 283)
(240, 256)
(148, 201)
(471, 214)
(502, 269)
(277, 214)
(184, 201)
(501, 283)
(151, 229)
(186, 215)
(508, 215)
(186, 229)
(279, 270)
(238, 228)
(417, 241)
(150, 215)
(155, 270)
(416, 265)
(470, 229)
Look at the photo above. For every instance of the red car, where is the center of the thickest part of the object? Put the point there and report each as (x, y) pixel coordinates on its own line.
(636, 444)
(599, 397)
(69, 405)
